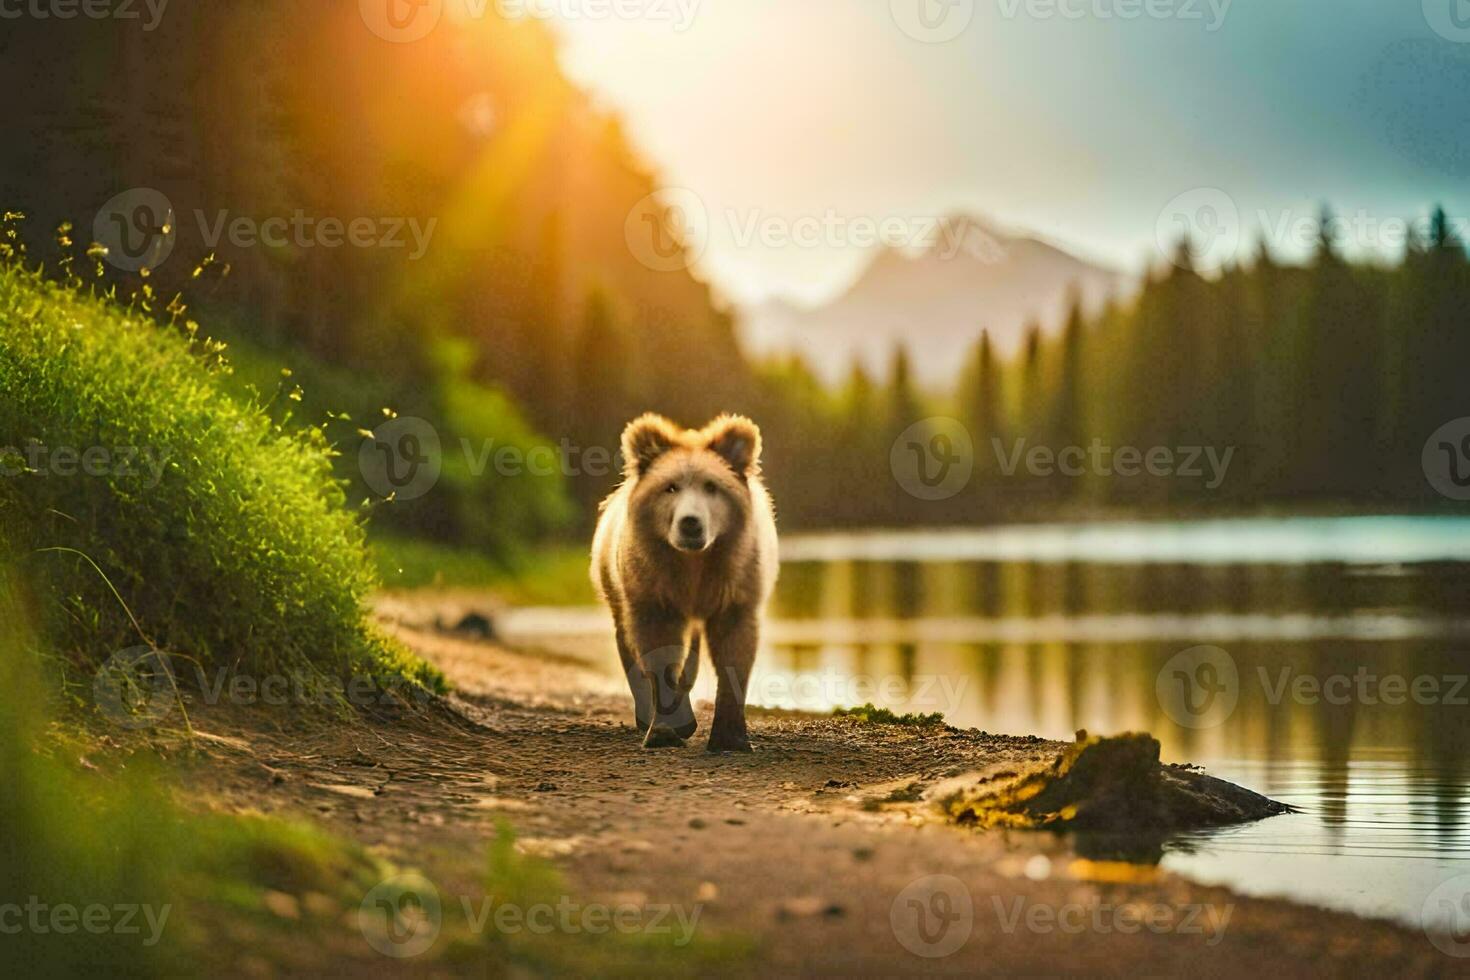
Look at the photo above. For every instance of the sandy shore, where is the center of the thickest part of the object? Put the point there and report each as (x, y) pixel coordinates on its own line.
(821, 851)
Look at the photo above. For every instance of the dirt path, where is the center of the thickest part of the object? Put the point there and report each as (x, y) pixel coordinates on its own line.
(817, 851)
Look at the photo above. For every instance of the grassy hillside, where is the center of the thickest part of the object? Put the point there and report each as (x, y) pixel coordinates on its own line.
(149, 507)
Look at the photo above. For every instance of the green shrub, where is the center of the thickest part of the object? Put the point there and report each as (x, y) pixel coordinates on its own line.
(494, 510)
(871, 714)
(153, 508)
(499, 506)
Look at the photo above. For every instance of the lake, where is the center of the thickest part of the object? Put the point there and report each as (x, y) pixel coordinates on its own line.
(1321, 661)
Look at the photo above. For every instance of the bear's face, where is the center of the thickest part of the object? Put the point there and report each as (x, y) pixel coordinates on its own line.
(690, 487)
(691, 499)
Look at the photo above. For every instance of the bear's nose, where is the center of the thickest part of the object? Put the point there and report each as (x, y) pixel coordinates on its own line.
(690, 527)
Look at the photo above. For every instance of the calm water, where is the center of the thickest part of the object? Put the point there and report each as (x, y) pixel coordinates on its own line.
(1322, 662)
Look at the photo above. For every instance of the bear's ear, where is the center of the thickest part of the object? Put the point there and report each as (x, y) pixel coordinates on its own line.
(738, 440)
(644, 440)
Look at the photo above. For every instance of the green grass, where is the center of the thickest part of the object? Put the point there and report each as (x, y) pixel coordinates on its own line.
(232, 545)
(65, 842)
(109, 840)
(870, 714)
(206, 889)
(551, 576)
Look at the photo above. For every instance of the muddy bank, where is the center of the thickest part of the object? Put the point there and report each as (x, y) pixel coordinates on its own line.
(1112, 785)
(829, 850)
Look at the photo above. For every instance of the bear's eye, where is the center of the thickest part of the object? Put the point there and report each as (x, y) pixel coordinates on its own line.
(672, 488)
(709, 486)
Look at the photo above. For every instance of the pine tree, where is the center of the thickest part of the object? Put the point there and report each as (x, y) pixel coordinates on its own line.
(1067, 423)
(982, 398)
(903, 404)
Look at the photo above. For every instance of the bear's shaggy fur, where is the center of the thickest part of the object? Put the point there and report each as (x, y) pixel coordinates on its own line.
(686, 550)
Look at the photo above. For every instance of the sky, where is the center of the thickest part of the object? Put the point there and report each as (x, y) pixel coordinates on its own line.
(1106, 126)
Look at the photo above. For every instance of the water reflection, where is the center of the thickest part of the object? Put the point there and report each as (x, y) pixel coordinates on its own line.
(1050, 629)
(1326, 658)
(1350, 697)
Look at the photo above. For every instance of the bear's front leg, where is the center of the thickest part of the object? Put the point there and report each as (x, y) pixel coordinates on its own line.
(638, 684)
(733, 637)
(659, 638)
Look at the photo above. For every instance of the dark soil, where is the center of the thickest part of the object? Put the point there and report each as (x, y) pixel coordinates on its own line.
(821, 848)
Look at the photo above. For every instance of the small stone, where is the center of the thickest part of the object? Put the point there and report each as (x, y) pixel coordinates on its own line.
(475, 624)
(544, 787)
(697, 824)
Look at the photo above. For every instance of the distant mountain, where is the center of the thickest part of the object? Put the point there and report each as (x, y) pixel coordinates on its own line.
(935, 302)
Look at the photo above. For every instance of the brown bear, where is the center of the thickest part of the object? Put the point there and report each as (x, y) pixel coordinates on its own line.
(685, 551)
